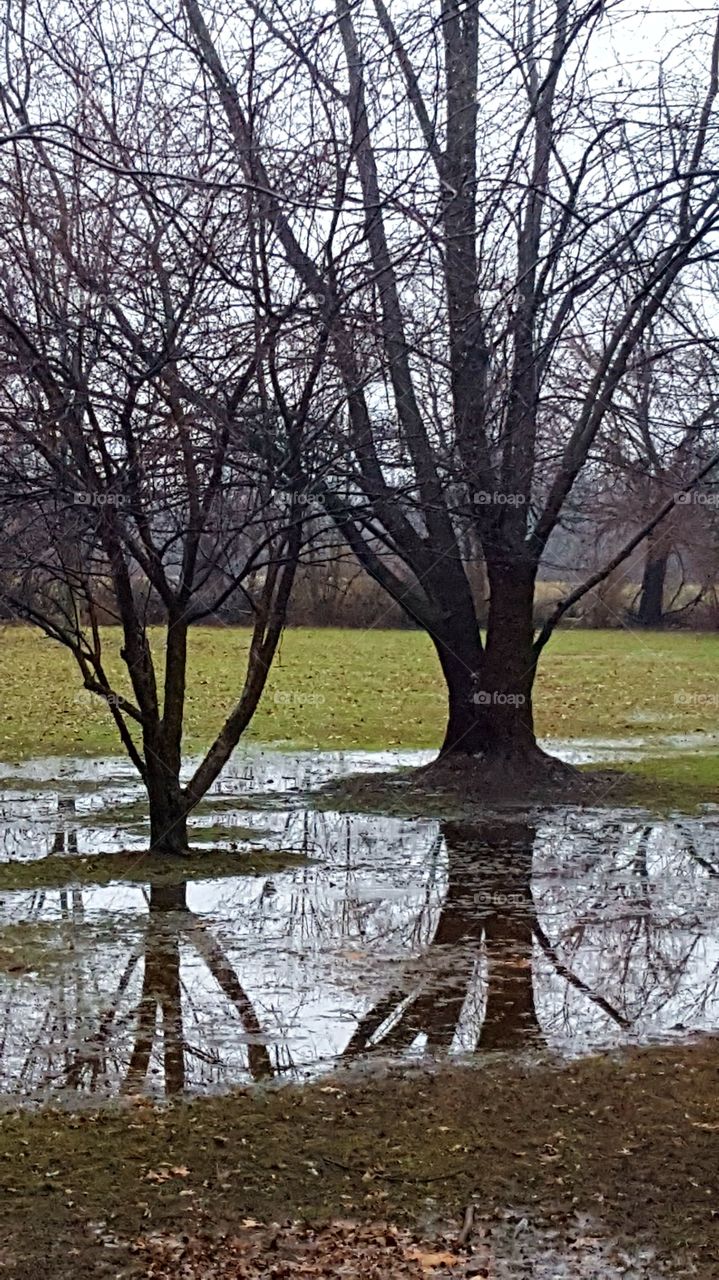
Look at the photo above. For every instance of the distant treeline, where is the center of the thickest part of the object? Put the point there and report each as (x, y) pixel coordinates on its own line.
(341, 594)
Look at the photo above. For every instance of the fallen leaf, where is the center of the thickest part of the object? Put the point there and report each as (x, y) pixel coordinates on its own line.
(428, 1261)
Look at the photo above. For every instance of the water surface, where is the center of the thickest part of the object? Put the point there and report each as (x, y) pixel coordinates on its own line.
(559, 931)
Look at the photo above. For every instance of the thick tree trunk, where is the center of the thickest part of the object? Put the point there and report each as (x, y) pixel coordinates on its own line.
(168, 827)
(504, 696)
(490, 690)
(651, 600)
(460, 656)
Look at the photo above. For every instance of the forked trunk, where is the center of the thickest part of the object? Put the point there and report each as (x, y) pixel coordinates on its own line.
(490, 690)
(491, 716)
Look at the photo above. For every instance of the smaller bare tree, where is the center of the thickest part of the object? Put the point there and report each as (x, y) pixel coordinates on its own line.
(150, 409)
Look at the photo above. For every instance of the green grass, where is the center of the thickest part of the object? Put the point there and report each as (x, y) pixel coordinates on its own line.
(62, 871)
(669, 783)
(363, 689)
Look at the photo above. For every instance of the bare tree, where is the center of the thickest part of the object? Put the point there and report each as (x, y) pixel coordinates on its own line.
(464, 192)
(662, 428)
(152, 405)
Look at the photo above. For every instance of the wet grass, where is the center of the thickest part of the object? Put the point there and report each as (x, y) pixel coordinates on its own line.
(681, 783)
(218, 831)
(630, 1139)
(133, 814)
(32, 946)
(65, 871)
(363, 689)
(136, 814)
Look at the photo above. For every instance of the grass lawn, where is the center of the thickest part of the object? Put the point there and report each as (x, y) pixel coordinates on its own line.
(63, 871)
(331, 689)
(629, 1139)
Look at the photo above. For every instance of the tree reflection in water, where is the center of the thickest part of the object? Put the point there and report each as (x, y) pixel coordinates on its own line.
(488, 927)
(488, 904)
(575, 929)
(158, 1015)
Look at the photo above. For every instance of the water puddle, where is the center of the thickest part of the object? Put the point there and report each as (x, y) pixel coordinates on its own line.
(562, 932)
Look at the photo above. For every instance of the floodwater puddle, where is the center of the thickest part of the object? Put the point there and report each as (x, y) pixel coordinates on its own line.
(560, 931)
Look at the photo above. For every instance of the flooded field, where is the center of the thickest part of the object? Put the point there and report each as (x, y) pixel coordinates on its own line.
(554, 931)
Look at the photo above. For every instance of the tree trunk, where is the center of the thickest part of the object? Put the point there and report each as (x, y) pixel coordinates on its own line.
(490, 690)
(651, 600)
(460, 655)
(168, 809)
(504, 697)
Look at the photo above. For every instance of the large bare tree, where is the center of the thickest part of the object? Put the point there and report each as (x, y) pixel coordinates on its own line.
(466, 191)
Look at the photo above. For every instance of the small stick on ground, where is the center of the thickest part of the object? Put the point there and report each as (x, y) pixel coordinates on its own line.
(467, 1225)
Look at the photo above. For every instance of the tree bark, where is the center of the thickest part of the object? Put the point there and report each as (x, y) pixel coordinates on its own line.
(168, 807)
(459, 649)
(490, 688)
(651, 599)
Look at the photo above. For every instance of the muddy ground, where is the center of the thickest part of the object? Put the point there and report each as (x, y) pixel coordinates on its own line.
(630, 1140)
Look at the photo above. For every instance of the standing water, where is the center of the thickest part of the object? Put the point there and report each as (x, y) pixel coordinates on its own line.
(558, 930)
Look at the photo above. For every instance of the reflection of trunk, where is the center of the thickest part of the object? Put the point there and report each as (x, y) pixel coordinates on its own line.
(500, 856)
(509, 1013)
(488, 897)
(168, 897)
(65, 841)
(171, 921)
(650, 612)
(161, 992)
